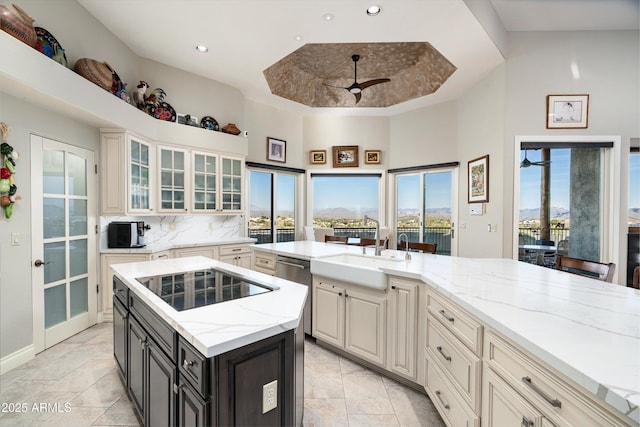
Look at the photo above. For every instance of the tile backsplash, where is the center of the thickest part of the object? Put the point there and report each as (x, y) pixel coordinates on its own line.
(181, 229)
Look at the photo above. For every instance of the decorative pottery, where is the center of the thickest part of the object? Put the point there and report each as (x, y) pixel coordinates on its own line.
(164, 111)
(210, 123)
(18, 23)
(231, 128)
(49, 46)
(99, 73)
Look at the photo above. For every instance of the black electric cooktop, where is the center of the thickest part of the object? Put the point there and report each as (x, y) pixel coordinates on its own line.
(193, 289)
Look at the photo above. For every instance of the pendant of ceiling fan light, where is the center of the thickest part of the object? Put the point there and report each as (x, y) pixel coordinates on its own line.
(357, 88)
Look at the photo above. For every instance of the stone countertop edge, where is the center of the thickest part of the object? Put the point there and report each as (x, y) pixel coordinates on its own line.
(153, 248)
(218, 328)
(526, 303)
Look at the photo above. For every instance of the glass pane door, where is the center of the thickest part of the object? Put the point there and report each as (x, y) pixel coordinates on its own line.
(67, 275)
(204, 182)
(139, 185)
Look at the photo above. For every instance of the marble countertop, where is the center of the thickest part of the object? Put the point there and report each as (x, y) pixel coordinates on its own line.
(309, 249)
(159, 247)
(218, 328)
(586, 329)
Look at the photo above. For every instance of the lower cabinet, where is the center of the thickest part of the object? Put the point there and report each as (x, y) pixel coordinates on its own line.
(264, 262)
(350, 317)
(240, 255)
(403, 327)
(172, 384)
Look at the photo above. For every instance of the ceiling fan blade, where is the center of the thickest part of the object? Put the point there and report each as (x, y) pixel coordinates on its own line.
(358, 96)
(369, 83)
(336, 87)
(542, 163)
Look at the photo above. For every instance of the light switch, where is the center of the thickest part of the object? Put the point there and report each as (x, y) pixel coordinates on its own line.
(15, 239)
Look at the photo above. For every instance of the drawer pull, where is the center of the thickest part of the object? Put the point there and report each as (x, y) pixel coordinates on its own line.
(447, 358)
(553, 402)
(526, 422)
(446, 316)
(444, 404)
(143, 342)
(236, 249)
(186, 364)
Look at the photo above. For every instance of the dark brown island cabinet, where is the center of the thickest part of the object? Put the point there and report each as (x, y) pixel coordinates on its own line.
(173, 384)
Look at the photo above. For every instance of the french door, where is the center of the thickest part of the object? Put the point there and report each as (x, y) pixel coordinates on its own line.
(63, 241)
(426, 208)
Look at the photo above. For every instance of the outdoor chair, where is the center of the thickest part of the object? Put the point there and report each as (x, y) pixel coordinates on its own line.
(427, 248)
(583, 267)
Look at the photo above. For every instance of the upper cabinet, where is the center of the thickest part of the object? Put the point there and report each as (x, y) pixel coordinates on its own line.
(140, 177)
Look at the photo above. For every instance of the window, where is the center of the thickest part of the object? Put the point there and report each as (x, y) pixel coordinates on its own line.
(425, 208)
(340, 201)
(272, 194)
(562, 201)
(634, 188)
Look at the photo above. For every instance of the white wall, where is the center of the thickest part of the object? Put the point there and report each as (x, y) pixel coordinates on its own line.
(15, 261)
(264, 121)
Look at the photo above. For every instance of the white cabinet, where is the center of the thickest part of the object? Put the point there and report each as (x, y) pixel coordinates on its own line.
(557, 400)
(172, 179)
(505, 407)
(351, 318)
(126, 179)
(403, 327)
(206, 251)
(264, 262)
(139, 177)
(240, 255)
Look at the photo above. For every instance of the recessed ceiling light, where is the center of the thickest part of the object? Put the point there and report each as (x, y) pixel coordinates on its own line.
(374, 10)
(297, 37)
(328, 16)
(202, 49)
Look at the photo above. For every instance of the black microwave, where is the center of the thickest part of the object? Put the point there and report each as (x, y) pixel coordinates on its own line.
(123, 235)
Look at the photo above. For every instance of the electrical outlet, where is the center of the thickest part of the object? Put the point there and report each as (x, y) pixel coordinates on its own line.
(172, 225)
(494, 227)
(269, 396)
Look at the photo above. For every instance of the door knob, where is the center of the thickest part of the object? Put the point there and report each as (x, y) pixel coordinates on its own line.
(40, 263)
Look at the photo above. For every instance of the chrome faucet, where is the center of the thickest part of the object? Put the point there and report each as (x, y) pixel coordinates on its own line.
(377, 237)
(407, 255)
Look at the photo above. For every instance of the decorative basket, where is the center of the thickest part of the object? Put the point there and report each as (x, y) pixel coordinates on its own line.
(18, 23)
(99, 73)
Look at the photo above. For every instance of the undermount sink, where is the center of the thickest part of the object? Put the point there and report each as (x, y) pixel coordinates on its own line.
(363, 270)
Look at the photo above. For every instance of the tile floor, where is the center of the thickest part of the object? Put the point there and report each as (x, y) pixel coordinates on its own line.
(77, 382)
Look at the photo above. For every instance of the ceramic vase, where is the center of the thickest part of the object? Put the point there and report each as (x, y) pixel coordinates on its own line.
(17, 23)
(231, 128)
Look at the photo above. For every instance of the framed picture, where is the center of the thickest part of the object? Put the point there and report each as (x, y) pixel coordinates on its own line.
(478, 176)
(372, 157)
(345, 156)
(276, 150)
(318, 157)
(187, 119)
(567, 111)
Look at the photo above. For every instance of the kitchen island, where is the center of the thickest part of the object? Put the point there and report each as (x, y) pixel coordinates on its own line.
(188, 363)
(580, 336)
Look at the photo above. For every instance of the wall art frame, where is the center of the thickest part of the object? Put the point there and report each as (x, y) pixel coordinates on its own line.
(317, 157)
(373, 157)
(345, 156)
(478, 180)
(567, 111)
(276, 150)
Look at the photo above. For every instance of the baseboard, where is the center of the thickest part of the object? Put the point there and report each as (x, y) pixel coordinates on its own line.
(17, 358)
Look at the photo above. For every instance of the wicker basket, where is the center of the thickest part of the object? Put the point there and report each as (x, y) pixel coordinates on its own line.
(96, 72)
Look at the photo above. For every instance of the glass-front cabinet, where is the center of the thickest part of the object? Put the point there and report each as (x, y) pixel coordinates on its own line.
(139, 177)
(172, 172)
(217, 183)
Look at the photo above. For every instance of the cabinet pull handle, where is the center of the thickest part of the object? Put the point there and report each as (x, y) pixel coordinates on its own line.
(143, 342)
(236, 249)
(446, 316)
(176, 388)
(393, 287)
(526, 422)
(553, 402)
(447, 358)
(439, 396)
(186, 364)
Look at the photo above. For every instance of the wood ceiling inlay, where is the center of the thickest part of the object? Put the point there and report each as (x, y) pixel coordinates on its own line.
(416, 69)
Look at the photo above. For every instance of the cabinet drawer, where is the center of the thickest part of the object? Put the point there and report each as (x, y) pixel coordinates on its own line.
(120, 291)
(457, 360)
(263, 262)
(457, 321)
(193, 366)
(161, 332)
(554, 396)
(234, 250)
(454, 412)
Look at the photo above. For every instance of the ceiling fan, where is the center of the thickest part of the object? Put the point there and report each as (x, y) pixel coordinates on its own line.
(526, 162)
(357, 88)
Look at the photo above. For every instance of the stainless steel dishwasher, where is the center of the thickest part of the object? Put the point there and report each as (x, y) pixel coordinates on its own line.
(297, 270)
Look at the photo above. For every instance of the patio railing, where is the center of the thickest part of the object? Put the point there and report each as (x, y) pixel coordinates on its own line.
(529, 235)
